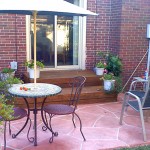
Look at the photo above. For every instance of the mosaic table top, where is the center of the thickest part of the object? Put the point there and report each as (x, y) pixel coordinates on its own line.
(32, 90)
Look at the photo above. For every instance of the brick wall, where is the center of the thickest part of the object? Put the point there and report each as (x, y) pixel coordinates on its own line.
(12, 40)
(121, 28)
(133, 43)
(98, 35)
(115, 26)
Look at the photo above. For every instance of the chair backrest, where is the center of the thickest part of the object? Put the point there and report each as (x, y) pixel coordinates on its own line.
(77, 84)
(146, 98)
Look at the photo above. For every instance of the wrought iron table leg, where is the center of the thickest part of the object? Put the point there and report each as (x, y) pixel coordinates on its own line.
(28, 118)
(35, 122)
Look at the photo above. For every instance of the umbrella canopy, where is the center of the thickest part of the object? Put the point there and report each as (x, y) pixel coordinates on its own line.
(41, 7)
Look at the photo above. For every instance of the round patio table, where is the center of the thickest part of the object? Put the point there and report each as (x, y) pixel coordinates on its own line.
(33, 90)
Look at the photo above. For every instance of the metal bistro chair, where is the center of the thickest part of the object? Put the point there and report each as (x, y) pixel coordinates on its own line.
(19, 113)
(138, 100)
(61, 109)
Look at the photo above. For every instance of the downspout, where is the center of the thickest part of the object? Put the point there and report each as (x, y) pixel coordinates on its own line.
(95, 33)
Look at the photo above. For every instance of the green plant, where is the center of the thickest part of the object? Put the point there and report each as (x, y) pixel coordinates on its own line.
(147, 147)
(7, 70)
(114, 64)
(6, 110)
(108, 76)
(118, 83)
(6, 100)
(30, 64)
(100, 65)
(5, 84)
(13, 81)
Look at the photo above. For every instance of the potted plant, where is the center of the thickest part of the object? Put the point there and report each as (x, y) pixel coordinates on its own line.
(30, 65)
(109, 82)
(100, 68)
(114, 66)
(7, 73)
(112, 70)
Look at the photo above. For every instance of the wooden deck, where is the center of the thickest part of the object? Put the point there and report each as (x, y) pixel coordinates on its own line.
(92, 92)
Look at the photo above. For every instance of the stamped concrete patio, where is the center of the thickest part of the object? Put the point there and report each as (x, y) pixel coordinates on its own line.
(100, 126)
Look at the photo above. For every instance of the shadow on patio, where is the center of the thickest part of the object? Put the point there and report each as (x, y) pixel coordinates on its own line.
(100, 126)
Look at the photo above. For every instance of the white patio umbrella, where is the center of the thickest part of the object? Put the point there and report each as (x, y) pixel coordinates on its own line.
(41, 7)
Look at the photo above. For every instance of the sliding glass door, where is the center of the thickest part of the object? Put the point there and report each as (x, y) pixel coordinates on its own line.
(67, 41)
(57, 40)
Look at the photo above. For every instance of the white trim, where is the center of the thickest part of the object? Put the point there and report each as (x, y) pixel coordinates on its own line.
(82, 38)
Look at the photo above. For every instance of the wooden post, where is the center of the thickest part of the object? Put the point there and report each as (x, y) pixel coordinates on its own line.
(34, 16)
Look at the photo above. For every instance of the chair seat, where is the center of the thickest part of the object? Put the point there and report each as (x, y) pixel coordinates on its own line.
(140, 94)
(134, 105)
(18, 114)
(58, 109)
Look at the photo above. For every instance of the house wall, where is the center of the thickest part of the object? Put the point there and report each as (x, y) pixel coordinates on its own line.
(121, 28)
(133, 42)
(12, 40)
(115, 26)
(98, 30)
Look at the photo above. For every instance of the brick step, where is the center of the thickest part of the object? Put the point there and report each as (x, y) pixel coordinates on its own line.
(89, 95)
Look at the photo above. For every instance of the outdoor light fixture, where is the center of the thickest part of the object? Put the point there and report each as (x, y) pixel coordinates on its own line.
(148, 30)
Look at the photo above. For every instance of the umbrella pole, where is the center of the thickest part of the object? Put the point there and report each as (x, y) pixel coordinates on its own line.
(34, 16)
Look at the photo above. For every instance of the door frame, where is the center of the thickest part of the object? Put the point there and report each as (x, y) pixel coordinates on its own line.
(81, 47)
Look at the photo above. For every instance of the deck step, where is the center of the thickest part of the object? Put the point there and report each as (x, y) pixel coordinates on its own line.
(89, 95)
(62, 78)
(92, 92)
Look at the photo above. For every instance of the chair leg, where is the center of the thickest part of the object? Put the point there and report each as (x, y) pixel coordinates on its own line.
(50, 126)
(73, 121)
(44, 128)
(5, 135)
(123, 109)
(143, 124)
(80, 126)
(9, 128)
